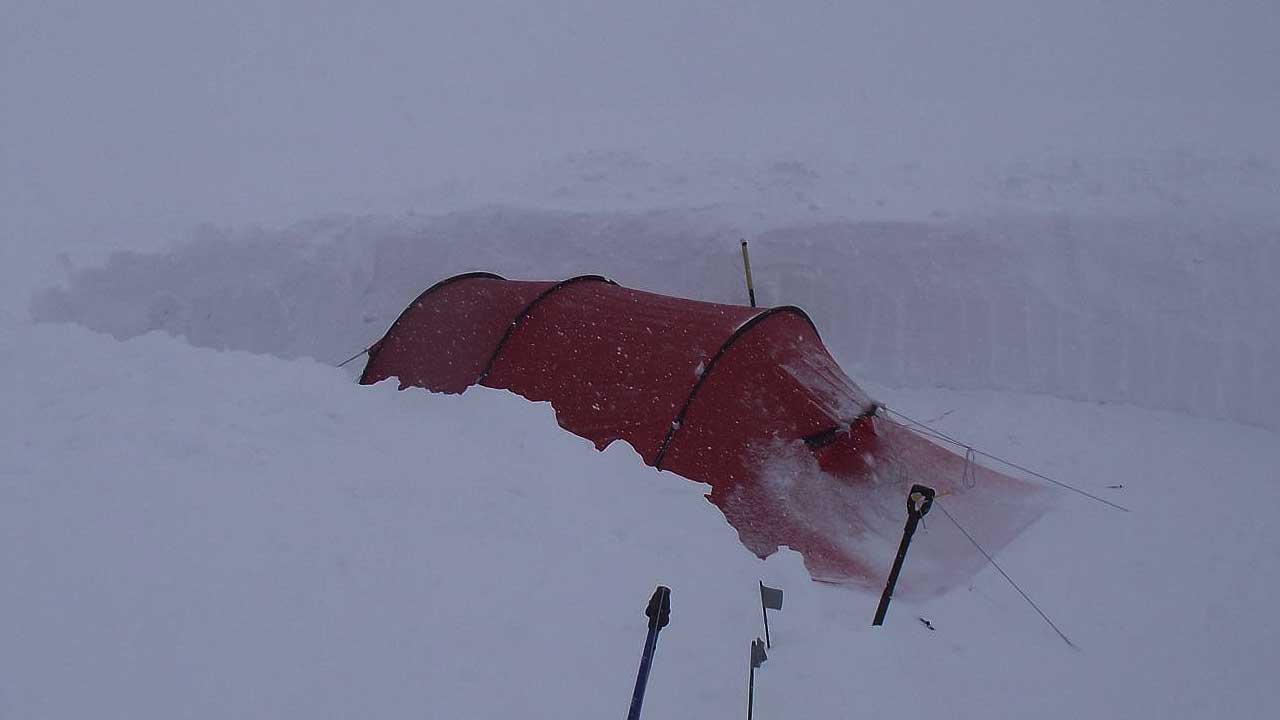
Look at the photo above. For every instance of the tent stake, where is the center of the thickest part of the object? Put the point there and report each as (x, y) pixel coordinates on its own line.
(919, 500)
(746, 268)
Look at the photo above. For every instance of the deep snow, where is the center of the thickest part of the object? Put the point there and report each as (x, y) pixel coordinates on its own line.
(214, 534)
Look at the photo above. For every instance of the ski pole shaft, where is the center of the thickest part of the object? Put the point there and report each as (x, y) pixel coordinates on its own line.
(642, 678)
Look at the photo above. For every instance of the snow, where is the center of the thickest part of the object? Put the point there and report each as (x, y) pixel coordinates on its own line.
(1048, 228)
(222, 534)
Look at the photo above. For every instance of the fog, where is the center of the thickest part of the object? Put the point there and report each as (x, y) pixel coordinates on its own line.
(140, 112)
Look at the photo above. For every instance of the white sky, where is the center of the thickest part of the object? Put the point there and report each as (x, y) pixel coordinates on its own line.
(239, 111)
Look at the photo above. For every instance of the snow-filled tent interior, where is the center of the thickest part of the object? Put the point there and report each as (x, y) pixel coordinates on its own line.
(744, 399)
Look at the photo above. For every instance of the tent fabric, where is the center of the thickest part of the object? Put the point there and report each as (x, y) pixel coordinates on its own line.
(746, 400)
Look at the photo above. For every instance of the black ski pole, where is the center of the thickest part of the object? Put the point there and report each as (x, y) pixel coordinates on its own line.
(659, 614)
(919, 500)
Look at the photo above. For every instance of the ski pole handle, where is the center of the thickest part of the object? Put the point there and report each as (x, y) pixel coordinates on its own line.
(659, 614)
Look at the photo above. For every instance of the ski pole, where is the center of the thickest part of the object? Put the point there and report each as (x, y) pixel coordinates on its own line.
(919, 500)
(659, 614)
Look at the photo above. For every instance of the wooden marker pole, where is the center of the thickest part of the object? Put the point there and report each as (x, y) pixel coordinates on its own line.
(746, 267)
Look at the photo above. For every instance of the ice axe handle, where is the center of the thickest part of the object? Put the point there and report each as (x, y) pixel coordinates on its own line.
(919, 501)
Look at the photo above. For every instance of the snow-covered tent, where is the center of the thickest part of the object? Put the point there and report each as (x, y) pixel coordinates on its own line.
(746, 400)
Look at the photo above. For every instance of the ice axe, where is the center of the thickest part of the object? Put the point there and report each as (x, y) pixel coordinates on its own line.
(919, 501)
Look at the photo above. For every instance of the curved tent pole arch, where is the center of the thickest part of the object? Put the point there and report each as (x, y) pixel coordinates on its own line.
(374, 348)
(519, 319)
(742, 330)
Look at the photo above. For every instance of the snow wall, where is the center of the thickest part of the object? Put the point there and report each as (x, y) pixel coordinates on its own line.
(1157, 313)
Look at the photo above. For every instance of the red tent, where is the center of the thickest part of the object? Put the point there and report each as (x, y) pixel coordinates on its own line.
(746, 400)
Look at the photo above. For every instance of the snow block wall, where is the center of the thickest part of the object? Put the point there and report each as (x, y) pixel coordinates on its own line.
(1158, 313)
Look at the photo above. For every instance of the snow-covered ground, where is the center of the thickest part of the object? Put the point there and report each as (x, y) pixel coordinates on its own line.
(218, 534)
(1052, 227)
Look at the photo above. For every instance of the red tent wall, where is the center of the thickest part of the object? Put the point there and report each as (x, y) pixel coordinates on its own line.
(617, 364)
(743, 399)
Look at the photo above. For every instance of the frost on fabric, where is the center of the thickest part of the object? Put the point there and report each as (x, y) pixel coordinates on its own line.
(839, 397)
(847, 525)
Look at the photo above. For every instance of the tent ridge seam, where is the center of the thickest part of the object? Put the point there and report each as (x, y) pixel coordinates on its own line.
(678, 422)
(520, 317)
